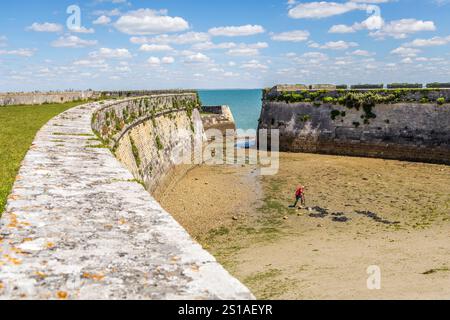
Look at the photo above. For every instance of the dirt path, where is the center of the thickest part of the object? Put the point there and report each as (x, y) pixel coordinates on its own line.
(364, 212)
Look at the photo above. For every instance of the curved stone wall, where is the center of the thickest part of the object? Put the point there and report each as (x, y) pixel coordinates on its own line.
(78, 226)
(37, 98)
(152, 134)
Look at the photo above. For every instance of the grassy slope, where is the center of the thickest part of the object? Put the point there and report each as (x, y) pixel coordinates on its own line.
(18, 127)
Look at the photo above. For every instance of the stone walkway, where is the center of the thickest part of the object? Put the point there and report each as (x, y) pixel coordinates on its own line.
(77, 226)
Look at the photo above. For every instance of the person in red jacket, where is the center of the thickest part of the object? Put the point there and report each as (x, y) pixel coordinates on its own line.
(299, 196)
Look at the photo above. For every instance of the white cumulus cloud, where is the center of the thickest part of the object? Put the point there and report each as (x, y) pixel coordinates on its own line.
(210, 46)
(197, 58)
(374, 22)
(91, 63)
(406, 52)
(244, 49)
(400, 29)
(107, 53)
(236, 31)
(292, 36)
(323, 9)
(167, 60)
(148, 21)
(154, 61)
(180, 39)
(102, 20)
(19, 52)
(362, 53)
(45, 27)
(155, 47)
(71, 41)
(334, 45)
(432, 42)
(342, 28)
(82, 30)
(254, 65)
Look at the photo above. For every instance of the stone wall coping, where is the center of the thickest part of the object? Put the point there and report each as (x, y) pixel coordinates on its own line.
(78, 226)
(117, 102)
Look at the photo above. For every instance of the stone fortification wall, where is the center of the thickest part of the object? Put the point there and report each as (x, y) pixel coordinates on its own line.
(37, 98)
(218, 117)
(152, 134)
(394, 124)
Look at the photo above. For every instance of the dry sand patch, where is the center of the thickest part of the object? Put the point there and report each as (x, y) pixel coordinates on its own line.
(363, 212)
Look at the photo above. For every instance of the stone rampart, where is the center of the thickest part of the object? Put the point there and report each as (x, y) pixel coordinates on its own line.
(37, 98)
(151, 135)
(393, 124)
(218, 117)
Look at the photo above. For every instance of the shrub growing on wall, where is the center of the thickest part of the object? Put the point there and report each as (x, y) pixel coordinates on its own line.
(352, 98)
(135, 152)
(440, 101)
(329, 100)
(159, 144)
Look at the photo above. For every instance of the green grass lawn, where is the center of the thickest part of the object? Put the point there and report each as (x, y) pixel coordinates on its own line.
(18, 127)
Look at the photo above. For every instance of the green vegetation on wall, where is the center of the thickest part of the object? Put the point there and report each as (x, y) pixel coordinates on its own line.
(355, 99)
(364, 101)
(159, 144)
(135, 151)
(441, 101)
(117, 118)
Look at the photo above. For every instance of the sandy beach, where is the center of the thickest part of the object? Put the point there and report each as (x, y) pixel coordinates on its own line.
(360, 213)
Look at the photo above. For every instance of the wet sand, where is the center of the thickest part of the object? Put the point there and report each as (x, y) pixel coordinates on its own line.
(362, 212)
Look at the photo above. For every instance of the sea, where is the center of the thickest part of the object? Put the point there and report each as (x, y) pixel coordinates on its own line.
(245, 104)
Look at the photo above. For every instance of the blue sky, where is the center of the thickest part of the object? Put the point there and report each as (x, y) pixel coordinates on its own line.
(137, 44)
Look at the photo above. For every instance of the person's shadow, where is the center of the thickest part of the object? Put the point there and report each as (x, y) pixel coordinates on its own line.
(321, 213)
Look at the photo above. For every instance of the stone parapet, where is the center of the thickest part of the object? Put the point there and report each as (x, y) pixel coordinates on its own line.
(78, 225)
(38, 98)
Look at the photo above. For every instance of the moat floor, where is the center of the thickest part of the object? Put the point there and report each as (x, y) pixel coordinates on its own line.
(362, 213)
